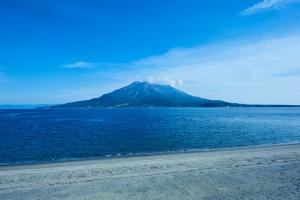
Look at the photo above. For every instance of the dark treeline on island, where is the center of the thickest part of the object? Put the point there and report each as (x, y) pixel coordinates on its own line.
(144, 94)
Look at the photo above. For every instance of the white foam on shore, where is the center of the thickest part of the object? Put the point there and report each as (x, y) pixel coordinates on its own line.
(131, 154)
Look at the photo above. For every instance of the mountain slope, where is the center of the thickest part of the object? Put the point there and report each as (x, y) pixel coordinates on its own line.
(143, 94)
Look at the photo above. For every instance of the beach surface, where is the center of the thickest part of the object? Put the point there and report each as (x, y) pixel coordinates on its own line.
(271, 172)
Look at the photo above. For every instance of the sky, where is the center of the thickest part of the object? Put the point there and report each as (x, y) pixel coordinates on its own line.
(67, 50)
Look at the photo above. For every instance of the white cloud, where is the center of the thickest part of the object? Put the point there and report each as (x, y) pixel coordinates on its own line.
(248, 71)
(80, 64)
(267, 5)
(164, 80)
(150, 79)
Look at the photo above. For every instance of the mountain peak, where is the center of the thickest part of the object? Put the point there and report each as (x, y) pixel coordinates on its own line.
(145, 94)
(143, 83)
(139, 82)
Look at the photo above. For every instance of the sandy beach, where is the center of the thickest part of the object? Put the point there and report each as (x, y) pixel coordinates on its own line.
(271, 172)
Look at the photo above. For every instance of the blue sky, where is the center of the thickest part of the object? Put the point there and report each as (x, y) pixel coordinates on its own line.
(61, 50)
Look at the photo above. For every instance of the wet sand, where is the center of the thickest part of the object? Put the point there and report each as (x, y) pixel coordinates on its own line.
(271, 172)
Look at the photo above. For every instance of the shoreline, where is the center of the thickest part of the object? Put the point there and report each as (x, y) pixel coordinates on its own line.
(4, 166)
(265, 172)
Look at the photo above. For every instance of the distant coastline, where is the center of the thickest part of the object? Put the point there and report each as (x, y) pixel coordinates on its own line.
(24, 106)
(53, 106)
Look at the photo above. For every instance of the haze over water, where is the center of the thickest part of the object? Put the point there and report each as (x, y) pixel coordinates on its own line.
(60, 134)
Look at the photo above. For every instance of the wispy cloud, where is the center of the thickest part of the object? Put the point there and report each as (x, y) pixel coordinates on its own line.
(249, 71)
(80, 64)
(267, 5)
(164, 80)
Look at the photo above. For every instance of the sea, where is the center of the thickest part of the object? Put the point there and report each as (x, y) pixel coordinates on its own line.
(50, 135)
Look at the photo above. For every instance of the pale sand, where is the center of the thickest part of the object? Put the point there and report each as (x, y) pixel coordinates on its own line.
(254, 173)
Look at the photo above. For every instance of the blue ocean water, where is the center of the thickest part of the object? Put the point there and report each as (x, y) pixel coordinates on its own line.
(39, 135)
